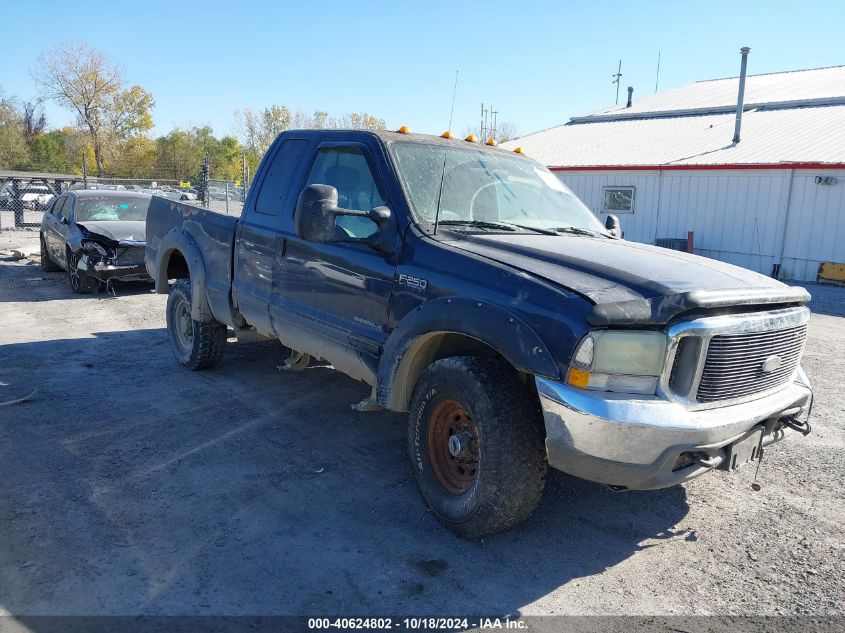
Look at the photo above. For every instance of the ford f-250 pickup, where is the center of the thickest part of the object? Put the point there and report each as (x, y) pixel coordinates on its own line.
(469, 287)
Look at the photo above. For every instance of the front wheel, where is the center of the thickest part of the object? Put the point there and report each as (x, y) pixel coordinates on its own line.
(196, 345)
(476, 440)
(80, 281)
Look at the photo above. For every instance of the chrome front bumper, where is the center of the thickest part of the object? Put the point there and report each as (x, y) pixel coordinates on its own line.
(636, 443)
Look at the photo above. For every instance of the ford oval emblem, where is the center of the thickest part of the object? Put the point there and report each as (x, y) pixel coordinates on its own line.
(772, 363)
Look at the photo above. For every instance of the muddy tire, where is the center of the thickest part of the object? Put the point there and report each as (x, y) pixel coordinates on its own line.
(476, 441)
(196, 345)
(80, 282)
(47, 264)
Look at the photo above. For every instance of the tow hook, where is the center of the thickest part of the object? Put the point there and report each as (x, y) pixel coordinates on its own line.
(704, 460)
(803, 428)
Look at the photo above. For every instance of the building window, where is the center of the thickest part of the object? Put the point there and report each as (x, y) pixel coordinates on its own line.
(618, 200)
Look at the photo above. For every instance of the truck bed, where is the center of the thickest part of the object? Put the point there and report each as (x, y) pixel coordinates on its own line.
(212, 233)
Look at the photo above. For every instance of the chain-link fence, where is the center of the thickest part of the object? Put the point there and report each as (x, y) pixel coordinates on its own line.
(24, 196)
(226, 196)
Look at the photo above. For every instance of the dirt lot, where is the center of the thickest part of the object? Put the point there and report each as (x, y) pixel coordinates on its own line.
(130, 486)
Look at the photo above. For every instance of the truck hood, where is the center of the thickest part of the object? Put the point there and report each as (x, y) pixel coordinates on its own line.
(117, 231)
(632, 283)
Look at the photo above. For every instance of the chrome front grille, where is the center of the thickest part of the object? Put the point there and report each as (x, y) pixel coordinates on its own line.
(734, 366)
(715, 360)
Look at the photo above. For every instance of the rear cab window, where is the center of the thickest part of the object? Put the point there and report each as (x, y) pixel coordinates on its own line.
(273, 205)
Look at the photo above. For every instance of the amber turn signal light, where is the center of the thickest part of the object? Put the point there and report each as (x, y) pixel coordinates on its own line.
(578, 378)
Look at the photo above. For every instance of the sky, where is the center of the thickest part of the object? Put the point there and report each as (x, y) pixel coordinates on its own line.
(537, 63)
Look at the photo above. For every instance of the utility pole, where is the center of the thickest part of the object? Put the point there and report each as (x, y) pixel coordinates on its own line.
(617, 77)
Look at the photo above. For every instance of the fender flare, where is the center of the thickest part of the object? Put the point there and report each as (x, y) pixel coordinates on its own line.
(178, 239)
(490, 324)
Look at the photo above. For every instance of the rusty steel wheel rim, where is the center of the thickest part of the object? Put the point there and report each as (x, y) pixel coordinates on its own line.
(453, 447)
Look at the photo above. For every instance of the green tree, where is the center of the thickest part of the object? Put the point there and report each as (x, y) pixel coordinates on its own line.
(50, 152)
(83, 80)
(14, 153)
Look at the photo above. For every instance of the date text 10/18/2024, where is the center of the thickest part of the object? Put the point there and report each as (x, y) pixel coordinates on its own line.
(416, 623)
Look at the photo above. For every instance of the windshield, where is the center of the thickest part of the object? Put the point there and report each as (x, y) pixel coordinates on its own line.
(111, 208)
(485, 188)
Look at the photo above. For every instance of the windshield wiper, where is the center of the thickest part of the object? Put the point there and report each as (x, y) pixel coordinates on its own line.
(489, 224)
(575, 230)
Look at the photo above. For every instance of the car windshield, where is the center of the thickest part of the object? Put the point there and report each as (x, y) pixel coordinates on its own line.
(488, 190)
(112, 208)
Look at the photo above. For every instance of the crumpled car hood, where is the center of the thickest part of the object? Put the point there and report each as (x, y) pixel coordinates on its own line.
(630, 282)
(118, 231)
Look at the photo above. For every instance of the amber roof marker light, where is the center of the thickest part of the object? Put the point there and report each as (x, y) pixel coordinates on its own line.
(471, 138)
(518, 150)
(490, 141)
(447, 134)
(404, 130)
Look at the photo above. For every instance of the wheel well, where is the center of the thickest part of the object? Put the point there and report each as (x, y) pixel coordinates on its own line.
(177, 266)
(427, 349)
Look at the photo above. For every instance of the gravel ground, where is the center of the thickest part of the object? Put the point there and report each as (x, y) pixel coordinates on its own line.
(130, 486)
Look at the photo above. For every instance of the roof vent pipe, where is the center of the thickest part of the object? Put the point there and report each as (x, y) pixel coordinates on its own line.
(630, 96)
(740, 99)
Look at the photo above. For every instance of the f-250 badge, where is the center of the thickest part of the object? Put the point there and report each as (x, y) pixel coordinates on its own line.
(415, 283)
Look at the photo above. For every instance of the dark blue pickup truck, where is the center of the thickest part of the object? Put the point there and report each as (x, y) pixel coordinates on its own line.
(469, 287)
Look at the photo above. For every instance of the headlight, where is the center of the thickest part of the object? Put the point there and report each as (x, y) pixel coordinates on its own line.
(620, 361)
(95, 248)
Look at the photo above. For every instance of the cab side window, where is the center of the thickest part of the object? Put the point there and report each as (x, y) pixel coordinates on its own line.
(276, 186)
(346, 169)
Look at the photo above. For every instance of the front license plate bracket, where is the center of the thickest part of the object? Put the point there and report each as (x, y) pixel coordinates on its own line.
(748, 449)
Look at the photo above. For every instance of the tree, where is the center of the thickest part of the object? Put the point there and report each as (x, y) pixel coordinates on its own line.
(258, 131)
(505, 131)
(34, 120)
(13, 148)
(53, 151)
(83, 80)
(361, 121)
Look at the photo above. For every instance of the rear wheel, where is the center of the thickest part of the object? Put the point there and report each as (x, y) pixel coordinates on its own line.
(47, 264)
(80, 282)
(196, 345)
(476, 439)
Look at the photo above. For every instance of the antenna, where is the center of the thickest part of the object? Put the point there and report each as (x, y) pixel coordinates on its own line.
(445, 154)
(454, 92)
(657, 78)
(617, 76)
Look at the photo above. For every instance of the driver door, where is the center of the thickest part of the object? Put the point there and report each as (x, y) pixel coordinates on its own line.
(340, 292)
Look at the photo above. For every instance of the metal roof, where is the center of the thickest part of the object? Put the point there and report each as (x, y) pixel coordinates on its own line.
(800, 135)
(791, 117)
(816, 86)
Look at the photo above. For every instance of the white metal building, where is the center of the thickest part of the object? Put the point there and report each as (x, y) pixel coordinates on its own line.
(667, 165)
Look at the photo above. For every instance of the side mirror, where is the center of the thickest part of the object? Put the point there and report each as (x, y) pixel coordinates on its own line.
(315, 218)
(613, 226)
